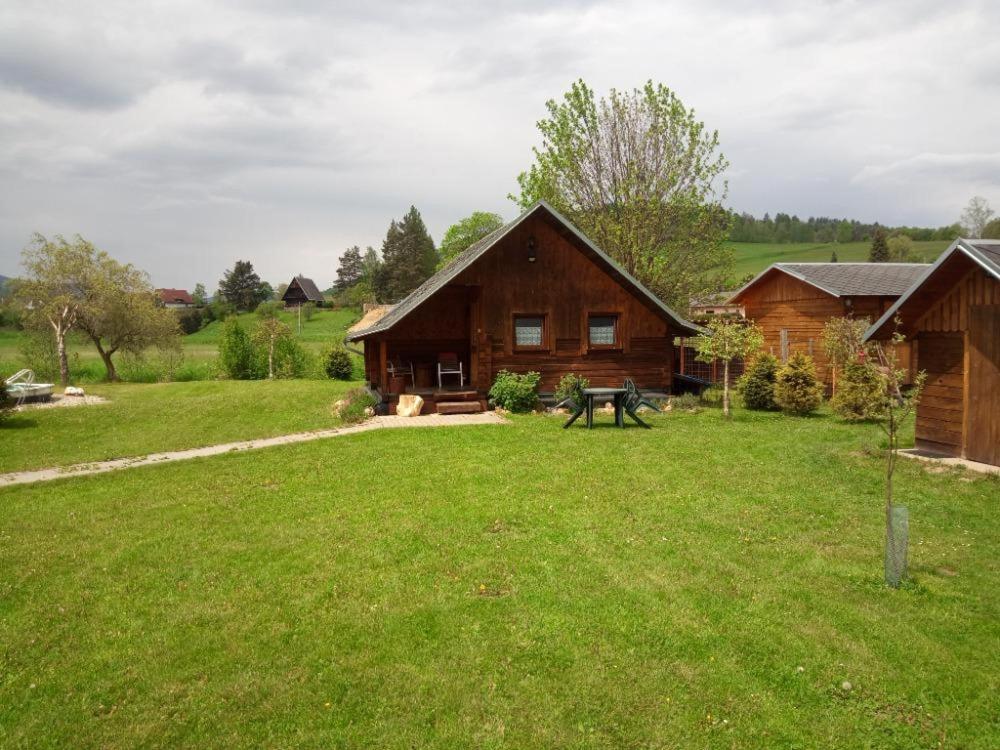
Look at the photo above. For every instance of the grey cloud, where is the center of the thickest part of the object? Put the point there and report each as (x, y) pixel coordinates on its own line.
(970, 168)
(77, 72)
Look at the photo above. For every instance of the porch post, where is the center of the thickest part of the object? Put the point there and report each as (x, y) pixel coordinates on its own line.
(382, 362)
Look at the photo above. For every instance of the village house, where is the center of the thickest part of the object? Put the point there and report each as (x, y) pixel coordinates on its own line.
(535, 295)
(952, 317)
(175, 298)
(301, 290)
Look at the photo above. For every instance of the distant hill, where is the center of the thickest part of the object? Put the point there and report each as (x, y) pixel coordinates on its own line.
(754, 257)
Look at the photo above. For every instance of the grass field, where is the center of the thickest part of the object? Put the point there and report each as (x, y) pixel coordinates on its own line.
(702, 584)
(200, 350)
(754, 257)
(148, 418)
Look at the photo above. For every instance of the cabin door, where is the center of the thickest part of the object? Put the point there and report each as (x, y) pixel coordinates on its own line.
(982, 442)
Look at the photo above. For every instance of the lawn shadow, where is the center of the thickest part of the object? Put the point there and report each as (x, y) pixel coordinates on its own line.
(18, 423)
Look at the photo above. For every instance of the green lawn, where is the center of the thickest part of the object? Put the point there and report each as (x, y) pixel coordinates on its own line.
(702, 584)
(143, 419)
(200, 350)
(754, 257)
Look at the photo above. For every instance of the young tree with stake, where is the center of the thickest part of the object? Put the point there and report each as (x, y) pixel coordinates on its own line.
(895, 408)
(726, 340)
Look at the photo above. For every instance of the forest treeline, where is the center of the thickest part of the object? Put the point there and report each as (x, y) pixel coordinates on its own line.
(785, 228)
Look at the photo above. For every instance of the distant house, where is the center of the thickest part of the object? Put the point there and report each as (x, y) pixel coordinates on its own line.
(952, 316)
(535, 295)
(175, 298)
(301, 290)
(791, 302)
(714, 305)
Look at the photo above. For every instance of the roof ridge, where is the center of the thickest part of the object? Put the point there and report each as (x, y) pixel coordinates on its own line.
(464, 259)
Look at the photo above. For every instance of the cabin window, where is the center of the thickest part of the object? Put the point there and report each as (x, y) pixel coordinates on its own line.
(529, 331)
(602, 331)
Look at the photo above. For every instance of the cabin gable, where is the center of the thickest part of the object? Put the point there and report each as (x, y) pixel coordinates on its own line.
(539, 297)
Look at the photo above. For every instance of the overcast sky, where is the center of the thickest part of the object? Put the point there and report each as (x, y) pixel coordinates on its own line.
(184, 135)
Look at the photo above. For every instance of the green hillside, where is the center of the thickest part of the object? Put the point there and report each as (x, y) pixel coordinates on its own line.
(754, 257)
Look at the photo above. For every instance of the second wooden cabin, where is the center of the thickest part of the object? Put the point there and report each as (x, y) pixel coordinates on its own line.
(791, 302)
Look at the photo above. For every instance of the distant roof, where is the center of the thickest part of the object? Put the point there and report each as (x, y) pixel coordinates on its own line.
(466, 258)
(984, 253)
(309, 288)
(849, 279)
(713, 299)
(370, 318)
(175, 296)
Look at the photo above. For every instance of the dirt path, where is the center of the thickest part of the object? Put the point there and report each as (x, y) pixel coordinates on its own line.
(378, 423)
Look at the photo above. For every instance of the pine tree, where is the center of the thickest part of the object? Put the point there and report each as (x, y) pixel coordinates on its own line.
(833, 257)
(880, 247)
(408, 257)
(351, 269)
(242, 287)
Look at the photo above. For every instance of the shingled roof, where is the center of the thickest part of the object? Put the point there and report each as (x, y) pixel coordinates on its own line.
(309, 288)
(469, 256)
(848, 279)
(985, 253)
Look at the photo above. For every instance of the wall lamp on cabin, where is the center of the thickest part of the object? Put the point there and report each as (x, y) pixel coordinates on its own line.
(532, 254)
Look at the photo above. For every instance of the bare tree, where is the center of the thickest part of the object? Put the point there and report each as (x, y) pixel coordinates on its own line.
(976, 216)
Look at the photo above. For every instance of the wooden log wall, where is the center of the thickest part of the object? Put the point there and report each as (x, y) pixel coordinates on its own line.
(784, 302)
(942, 333)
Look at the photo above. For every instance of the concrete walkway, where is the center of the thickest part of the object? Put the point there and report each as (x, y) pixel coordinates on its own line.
(377, 423)
(944, 460)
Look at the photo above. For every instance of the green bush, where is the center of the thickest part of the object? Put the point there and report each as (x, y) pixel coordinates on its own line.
(859, 394)
(338, 364)
(269, 309)
(355, 405)
(291, 360)
(308, 310)
(712, 396)
(188, 371)
(236, 351)
(191, 320)
(756, 386)
(685, 402)
(514, 392)
(571, 386)
(796, 388)
(5, 402)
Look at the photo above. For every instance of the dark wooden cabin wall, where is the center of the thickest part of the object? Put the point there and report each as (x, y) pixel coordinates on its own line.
(473, 315)
(940, 334)
(565, 285)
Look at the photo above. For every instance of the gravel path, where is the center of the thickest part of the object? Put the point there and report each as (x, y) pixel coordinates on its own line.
(377, 423)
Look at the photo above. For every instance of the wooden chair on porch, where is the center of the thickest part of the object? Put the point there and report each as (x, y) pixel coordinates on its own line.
(400, 369)
(450, 364)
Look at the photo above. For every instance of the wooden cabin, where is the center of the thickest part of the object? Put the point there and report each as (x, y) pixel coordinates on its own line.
(791, 302)
(952, 317)
(301, 290)
(534, 295)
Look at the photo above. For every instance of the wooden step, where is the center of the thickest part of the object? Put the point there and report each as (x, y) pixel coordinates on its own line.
(458, 407)
(445, 395)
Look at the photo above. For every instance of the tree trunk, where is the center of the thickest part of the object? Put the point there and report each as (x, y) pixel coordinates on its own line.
(725, 387)
(63, 360)
(109, 364)
(270, 359)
